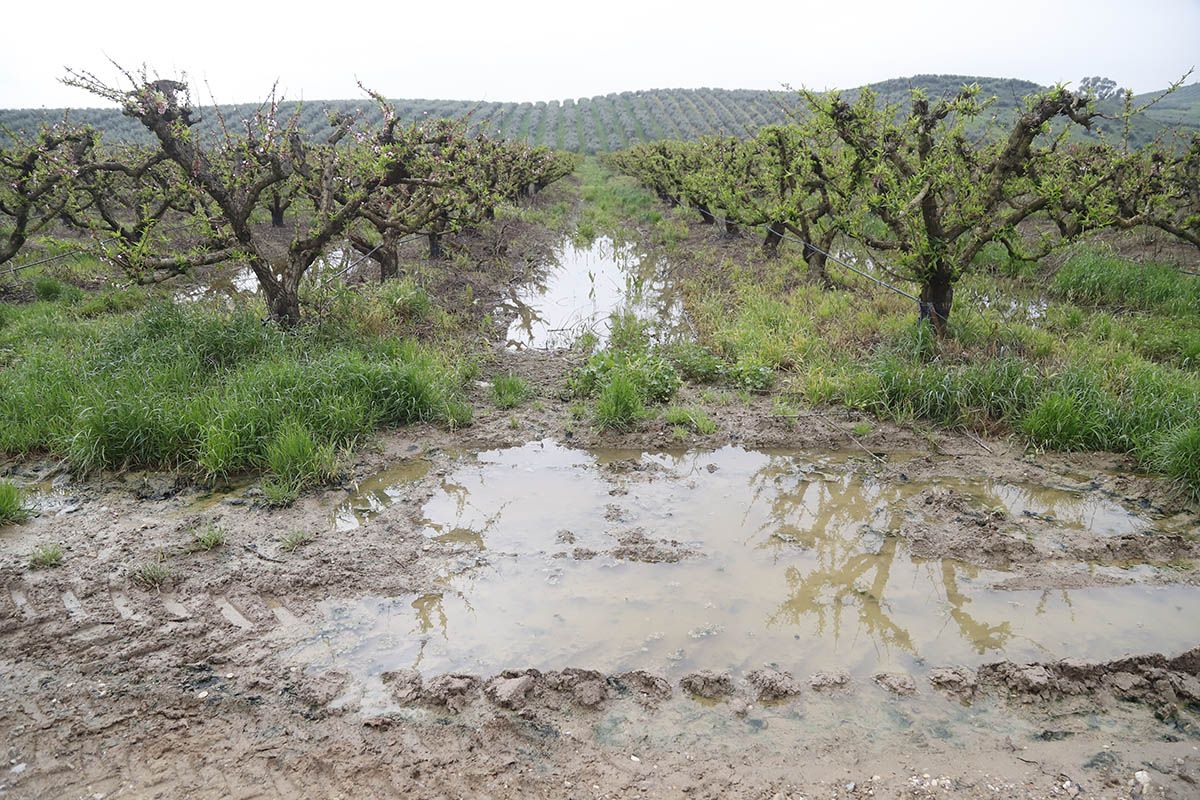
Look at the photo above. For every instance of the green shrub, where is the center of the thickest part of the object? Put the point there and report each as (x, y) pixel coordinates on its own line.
(695, 363)
(750, 374)
(655, 379)
(113, 301)
(50, 289)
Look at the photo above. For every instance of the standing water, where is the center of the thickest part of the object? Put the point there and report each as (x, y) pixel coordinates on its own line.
(727, 559)
(584, 286)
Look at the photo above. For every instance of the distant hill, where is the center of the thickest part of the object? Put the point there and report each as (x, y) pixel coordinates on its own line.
(608, 122)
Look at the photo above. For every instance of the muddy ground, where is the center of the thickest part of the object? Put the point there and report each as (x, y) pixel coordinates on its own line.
(192, 688)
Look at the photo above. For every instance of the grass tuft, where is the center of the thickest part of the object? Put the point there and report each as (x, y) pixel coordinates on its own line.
(208, 537)
(619, 404)
(509, 391)
(690, 418)
(295, 539)
(14, 503)
(45, 556)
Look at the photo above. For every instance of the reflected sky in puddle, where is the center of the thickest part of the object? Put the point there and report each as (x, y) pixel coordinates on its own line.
(582, 287)
(795, 562)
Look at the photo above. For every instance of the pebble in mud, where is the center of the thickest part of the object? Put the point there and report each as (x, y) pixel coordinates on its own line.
(773, 684)
(708, 684)
(899, 683)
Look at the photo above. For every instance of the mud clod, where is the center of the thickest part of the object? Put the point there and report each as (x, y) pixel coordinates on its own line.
(773, 684)
(405, 685)
(708, 684)
(587, 687)
(959, 681)
(510, 690)
(451, 691)
(829, 681)
(648, 689)
(899, 683)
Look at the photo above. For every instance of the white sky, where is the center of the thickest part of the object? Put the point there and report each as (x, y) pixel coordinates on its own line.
(550, 51)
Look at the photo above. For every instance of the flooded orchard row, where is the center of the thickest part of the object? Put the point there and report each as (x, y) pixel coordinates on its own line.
(582, 287)
(729, 560)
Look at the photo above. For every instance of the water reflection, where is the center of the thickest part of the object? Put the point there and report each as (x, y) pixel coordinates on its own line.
(795, 561)
(583, 287)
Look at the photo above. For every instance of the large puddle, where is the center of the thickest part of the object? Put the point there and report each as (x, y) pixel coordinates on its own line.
(728, 559)
(581, 290)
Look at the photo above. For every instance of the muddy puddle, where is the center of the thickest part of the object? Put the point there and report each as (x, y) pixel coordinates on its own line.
(727, 560)
(583, 287)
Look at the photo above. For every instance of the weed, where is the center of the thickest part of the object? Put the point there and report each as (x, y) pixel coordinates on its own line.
(295, 539)
(277, 492)
(1097, 278)
(690, 418)
(695, 362)
(151, 574)
(208, 537)
(862, 428)
(1177, 454)
(619, 403)
(509, 391)
(45, 556)
(14, 503)
(51, 289)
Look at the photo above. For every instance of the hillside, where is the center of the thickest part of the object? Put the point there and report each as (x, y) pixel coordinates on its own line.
(595, 124)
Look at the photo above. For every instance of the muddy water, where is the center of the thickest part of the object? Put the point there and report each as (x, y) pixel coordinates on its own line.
(728, 560)
(583, 287)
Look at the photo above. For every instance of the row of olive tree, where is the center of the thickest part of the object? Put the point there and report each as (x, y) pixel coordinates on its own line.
(188, 200)
(927, 185)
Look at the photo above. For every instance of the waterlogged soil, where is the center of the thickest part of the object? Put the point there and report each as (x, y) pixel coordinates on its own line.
(798, 605)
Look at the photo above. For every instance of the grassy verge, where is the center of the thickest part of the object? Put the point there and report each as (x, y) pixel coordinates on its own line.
(1062, 376)
(215, 391)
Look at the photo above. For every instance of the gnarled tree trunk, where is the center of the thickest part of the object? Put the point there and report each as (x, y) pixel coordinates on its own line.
(937, 296)
(706, 216)
(771, 243)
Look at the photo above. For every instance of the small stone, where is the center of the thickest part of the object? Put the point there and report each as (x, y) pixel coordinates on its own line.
(1142, 777)
(202, 695)
(634, 759)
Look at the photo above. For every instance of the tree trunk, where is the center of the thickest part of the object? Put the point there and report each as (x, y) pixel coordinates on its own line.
(389, 262)
(706, 216)
(771, 243)
(937, 295)
(489, 213)
(435, 246)
(816, 268)
(276, 216)
(283, 301)
(731, 229)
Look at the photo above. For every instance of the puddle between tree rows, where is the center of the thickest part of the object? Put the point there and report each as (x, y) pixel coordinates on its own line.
(565, 558)
(583, 287)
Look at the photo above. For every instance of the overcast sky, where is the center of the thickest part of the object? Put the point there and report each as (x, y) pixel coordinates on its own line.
(551, 51)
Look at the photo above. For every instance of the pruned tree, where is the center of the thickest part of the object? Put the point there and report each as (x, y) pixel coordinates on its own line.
(236, 174)
(940, 197)
(37, 180)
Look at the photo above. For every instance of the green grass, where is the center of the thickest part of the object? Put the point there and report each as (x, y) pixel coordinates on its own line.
(690, 418)
(208, 537)
(210, 391)
(509, 391)
(1092, 277)
(295, 539)
(14, 504)
(619, 404)
(151, 574)
(45, 556)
